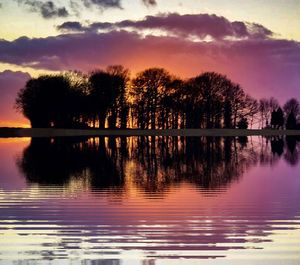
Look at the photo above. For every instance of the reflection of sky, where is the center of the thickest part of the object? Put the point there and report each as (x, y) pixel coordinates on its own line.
(252, 219)
(10, 176)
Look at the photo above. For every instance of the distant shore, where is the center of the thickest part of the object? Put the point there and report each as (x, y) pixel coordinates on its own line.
(51, 132)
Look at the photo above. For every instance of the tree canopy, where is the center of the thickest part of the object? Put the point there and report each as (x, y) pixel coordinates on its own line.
(153, 99)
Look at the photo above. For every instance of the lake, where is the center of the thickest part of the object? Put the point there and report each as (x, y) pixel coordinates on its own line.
(150, 200)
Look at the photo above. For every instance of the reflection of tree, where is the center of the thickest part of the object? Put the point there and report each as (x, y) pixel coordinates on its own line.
(277, 145)
(291, 155)
(55, 161)
(210, 163)
(151, 163)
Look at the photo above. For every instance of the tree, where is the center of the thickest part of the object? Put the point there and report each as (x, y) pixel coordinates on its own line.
(154, 99)
(119, 110)
(280, 118)
(243, 123)
(102, 94)
(208, 92)
(251, 109)
(273, 104)
(148, 89)
(238, 102)
(292, 106)
(274, 119)
(266, 107)
(291, 123)
(277, 118)
(171, 109)
(79, 107)
(44, 101)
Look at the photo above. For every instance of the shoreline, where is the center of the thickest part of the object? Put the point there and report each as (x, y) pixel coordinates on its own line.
(51, 132)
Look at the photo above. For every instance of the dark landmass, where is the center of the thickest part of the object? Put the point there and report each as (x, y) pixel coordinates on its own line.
(52, 132)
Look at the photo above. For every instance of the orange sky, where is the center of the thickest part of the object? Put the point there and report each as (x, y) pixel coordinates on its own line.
(255, 43)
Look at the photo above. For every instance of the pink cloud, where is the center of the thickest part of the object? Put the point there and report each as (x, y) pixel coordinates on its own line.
(199, 25)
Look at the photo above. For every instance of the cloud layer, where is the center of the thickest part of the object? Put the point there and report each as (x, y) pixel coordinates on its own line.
(246, 52)
(195, 25)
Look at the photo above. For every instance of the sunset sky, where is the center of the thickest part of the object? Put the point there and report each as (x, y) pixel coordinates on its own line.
(255, 43)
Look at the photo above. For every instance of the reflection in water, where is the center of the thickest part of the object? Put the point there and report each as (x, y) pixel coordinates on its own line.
(152, 200)
(154, 162)
(55, 161)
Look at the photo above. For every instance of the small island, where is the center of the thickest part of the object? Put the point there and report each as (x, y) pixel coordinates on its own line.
(153, 103)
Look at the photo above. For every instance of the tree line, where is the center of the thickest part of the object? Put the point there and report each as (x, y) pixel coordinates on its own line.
(153, 99)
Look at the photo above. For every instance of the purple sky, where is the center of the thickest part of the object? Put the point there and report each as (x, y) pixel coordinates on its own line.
(264, 62)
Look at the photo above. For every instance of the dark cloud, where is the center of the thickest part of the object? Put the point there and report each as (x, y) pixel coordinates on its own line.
(200, 25)
(52, 8)
(102, 3)
(264, 65)
(195, 25)
(71, 26)
(150, 2)
(113, 3)
(258, 30)
(75, 26)
(47, 9)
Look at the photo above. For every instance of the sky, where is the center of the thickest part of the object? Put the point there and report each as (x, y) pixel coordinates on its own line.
(255, 43)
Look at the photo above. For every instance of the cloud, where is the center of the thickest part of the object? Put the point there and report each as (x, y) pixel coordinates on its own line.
(102, 3)
(264, 66)
(189, 25)
(113, 3)
(71, 26)
(10, 83)
(53, 8)
(150, 2)
(47, 9)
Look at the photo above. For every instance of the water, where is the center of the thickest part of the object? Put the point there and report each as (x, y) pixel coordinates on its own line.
(150, 201)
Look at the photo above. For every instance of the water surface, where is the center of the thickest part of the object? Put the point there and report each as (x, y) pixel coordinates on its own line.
(150, 200)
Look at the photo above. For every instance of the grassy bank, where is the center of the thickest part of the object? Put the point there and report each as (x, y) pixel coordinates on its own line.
(26, 132)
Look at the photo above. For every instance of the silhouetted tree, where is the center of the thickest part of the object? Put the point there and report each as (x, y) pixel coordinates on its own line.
(119, 110)
(205, 99)
(102, 95)
(279, 118)
(153, 99)
(291, 123)
(273, 104)
(266, 107)
(264, 110)
(78, 104)
(148, 89)
(292, 106)
(243, 123)
(45, 101)
(274, 119)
